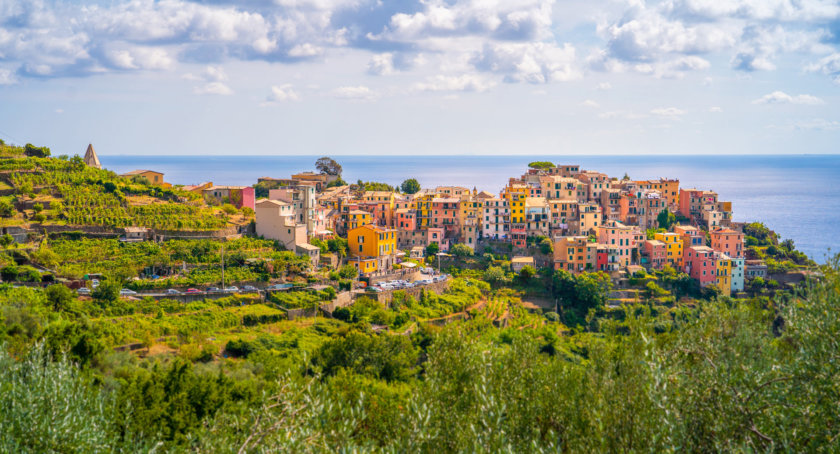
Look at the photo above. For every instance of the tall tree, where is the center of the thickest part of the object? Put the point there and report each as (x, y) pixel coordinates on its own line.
(328, 165)
(410, 186)
(666, 219)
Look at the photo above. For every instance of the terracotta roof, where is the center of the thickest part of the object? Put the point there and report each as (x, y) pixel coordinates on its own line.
(137, 172)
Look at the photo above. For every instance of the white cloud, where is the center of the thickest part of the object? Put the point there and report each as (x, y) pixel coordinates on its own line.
(355, 92)
(603, 86)
(305, 50)
(381, 64)
(780, 97)
(518, 20)
(282, 93)
(671, 112)
(140, 58)
(7, 77)
(529, 62)
(213, 88)
(466, 82)
(830, 66)
(817, 124)
(715, 109)
(215, 74)
(590, 103)
(214, 78)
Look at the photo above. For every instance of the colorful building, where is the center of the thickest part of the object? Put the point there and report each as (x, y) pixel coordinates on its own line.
(620, 237)
(738, 274)
(495, 223)
(728, 242)
(275, 220)
(587, 221)
(723, 273)
(154, 178)
(654, 254)
(238, 196)
(373, 242)
(700, 264)
(673, 249)
(575, 254)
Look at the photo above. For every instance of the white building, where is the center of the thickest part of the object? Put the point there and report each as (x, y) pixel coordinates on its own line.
(495, 218)
(275, 220)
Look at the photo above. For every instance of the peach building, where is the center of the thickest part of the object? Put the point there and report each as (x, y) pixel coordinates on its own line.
(655, 254)
(587, 221)
(691, 236)
(673, 248)
(728, 242)
(621, 237)
(692, 201)
(575, 254)
(700, 264)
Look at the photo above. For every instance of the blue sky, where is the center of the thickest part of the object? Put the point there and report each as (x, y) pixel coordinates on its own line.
(332, 77)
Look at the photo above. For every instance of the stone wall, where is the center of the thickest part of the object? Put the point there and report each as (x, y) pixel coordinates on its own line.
(386, 296)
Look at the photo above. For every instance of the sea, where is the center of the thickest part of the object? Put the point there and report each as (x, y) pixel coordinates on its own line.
(798, 196)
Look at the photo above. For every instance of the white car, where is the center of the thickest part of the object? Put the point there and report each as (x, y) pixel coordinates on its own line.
(127, 291)
(83, 291)
(232, 289)
(172, 291)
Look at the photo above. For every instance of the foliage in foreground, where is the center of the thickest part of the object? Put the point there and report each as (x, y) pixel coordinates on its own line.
(732, 376)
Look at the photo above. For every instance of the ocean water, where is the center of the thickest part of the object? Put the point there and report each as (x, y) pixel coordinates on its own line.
(798, 196)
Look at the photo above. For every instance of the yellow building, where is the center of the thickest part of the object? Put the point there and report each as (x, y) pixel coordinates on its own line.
(372, 242)
(516, 193)
(423, 205)
(723, 273)
(356, 218)
(668, 188)
(674, 249)
(365, 265)
(154, 178)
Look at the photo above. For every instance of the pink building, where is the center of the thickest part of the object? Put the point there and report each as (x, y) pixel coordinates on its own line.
(655, 252)
(692, 200)
(405, 219)
(621, 237)
(691, 236)
(238, 196)
(728, 242)
(700, 264)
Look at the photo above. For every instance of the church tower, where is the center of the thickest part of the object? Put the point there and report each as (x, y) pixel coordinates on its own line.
(91, 159)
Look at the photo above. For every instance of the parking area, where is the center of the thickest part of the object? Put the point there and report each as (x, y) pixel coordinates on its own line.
(427, 276)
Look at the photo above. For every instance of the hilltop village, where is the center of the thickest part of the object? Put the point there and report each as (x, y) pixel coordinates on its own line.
(591, 222)
(303, 313)
(555, 215)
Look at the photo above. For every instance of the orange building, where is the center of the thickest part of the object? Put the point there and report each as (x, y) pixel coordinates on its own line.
(729, 242)
(575, 254)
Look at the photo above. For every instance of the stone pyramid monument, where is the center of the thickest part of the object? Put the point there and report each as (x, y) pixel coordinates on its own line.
(91, 159)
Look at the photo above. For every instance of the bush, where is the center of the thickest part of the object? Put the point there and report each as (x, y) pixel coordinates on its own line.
(7, 210)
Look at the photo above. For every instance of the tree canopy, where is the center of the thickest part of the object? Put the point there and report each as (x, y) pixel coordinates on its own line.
(328, 165)
(410, 186)
(540, 165)
(666, 219)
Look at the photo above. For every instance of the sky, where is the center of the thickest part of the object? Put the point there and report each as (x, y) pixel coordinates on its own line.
(334, 77)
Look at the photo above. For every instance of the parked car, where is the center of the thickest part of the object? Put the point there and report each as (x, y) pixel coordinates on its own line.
(94, 283)
(172, 291)
(83, 291)
(193, 290)
(232, 289)
(127, 291)
(374, 289)
(250, 288)
(278, 286)
(213, 289)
